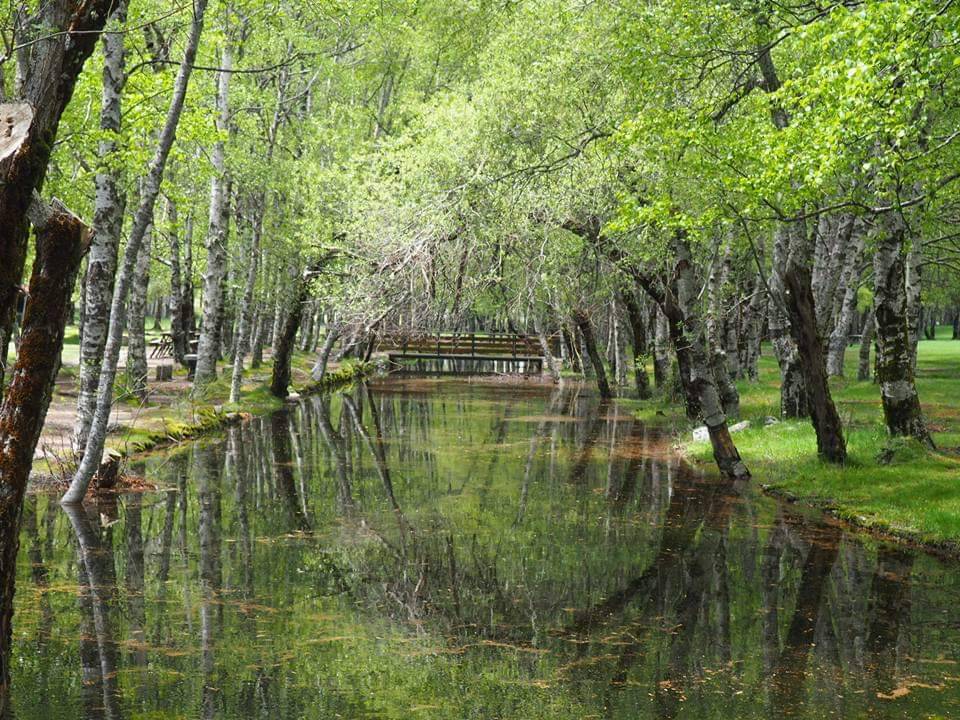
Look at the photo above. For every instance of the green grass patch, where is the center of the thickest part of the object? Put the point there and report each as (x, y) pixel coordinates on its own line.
(894, 486)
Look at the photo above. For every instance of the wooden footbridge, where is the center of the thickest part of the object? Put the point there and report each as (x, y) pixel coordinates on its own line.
(466, 351)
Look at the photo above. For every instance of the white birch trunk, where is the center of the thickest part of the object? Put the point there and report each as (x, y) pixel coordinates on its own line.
(151, 188)
(107, 224)
(216, 241)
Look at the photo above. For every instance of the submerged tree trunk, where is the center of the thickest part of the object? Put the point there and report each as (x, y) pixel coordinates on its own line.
(142, 219)
(898, 392)
(586, 330)
(107, 224)
(136, 310)
(208, 351)
(62, 239)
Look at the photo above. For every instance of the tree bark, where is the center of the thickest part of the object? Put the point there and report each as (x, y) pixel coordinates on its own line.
(142, 219)
(866, 341)
(661, 350)
(246, 306)
(715, 340)
(678, 300)
(62, 239)
(801, 308)
(178, 331)
(898, 392)
(586, 330)
(286, 341)
(640, 346)
(136, 327)
(208, 350)
(107, 224)
(320, 366)
(47, 73)
(793, 395)
(850, 283)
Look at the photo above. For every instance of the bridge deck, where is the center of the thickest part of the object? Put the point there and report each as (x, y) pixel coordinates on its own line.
(494, 347)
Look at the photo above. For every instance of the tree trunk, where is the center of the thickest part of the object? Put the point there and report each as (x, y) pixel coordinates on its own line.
(246, 306)
(586, 330)
(793, 395)
(661, 351)
(107, 224)
(901, 403)
(866, 341)
(187, 312)
(548, 357)
(679, 303)
(848, 308)
(47, 70)
(640, 347)
(753, 330)
(256, 357)
(801, 308)
(141, 220)
(136, 312)
(320, 366)
(62, 239)
(177, 329)
(208, 351)
(286, 341)
(715, 341)
(913, 275)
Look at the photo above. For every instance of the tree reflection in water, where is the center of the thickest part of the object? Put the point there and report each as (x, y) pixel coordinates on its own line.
(470, 550)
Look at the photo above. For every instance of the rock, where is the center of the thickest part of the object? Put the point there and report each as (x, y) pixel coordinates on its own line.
(702, 434)
(770, 420)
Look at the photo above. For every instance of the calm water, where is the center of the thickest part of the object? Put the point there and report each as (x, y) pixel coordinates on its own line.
(440, 549)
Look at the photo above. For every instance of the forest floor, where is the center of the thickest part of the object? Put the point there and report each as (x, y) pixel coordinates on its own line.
(895, 487)
(169, 411)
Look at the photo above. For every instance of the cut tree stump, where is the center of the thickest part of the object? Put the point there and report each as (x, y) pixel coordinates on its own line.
(109, 471)
(164, 372)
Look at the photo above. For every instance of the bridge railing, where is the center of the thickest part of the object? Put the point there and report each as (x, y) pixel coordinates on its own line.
(475, 344)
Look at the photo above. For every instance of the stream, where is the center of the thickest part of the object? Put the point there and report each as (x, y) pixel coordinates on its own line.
(448, 548)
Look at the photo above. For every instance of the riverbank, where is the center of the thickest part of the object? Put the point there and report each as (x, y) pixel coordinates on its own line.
(171, 413)
(893, 487)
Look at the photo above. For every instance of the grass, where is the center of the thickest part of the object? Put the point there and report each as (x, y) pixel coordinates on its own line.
(182, 415)
(911, 492)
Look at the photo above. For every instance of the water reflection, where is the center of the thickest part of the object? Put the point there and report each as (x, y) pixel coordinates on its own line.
(446, 549)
